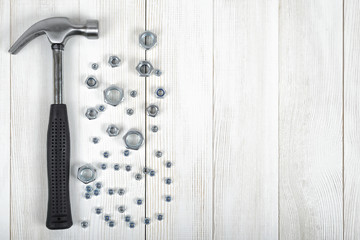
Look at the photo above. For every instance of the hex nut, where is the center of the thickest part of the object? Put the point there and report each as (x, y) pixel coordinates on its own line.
(148, 40)
(94, 66)
(91, 82)
(91, 113)
(113, 95)
(133, 139)
(114, 61)
(152, 110)
(160, 93)
(144, 68)
(113, 130)
(86, 173)
(157, 72)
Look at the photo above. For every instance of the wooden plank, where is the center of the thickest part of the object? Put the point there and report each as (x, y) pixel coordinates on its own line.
(351, 120)
(245, 119)
(184, 54)
(32, 95)
(5, 119)
(310, 118)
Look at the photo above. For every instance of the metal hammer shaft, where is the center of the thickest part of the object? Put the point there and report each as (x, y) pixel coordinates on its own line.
(58, 79)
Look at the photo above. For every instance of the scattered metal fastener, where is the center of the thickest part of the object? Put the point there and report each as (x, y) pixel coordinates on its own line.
(94, 66)
(152, 173)
(101, 108)
(127, 218)
(154, 129)
(111, 223)
(87, 195)
(103, 166)
(133, 93)
(121, 191)
(111, 191)
(146, 170)
(147, 221)
(160, 217)
(95, 140)
(168, 181)
(139, 201)
(84, 224)
(158, 154)
(133, 139)
(168, 164)
(130, 111)
(98, 185)
(107, 218)
(160, 93)
(88, 188)
(91, 82)
(144, 68)
(113, 130)
(157, 72)
(116, 167)
(98, 211)
(138, 176)
(86, 173)
(113, 95)
(106, 154)
(131, 224)
(114, 61)
(168, 198)
(96, 192)
(121, 209)
(148, 40)
(128, 168)
(126, 153)
(91, 113)
(152, 110)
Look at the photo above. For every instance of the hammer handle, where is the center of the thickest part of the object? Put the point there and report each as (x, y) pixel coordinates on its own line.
(58, 165)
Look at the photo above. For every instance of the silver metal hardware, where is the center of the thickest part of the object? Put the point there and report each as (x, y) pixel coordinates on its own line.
(144, 68)
(86, 173)
(133, 139)
(91, 113)
(114, 61)
(113, 95)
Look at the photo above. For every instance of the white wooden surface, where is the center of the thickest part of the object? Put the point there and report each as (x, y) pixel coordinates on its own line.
(260, 119)
(310, 120)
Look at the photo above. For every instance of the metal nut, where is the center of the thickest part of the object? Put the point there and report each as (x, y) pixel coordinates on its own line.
(86, 173)
(144, 68)
(113, 95)
(91, 113)
(148, 40)
(113, 130)
(91, 82)
(114, 61)
(152, 110)
(160, 92)
(133, 140)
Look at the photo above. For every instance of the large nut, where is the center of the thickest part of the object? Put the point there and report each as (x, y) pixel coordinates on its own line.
(113, 95)
(144, 68)
(147, 40)
(86, 173)
(113, 130)
(152, 110)
(133, 139)
(91, 82)
(114, 61)
(91, 113)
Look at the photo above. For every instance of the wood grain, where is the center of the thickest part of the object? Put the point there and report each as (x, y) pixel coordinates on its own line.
(120, 24)
(351, 120)
(310, 127)
(245, 119)
(184, 54)
(5, 119)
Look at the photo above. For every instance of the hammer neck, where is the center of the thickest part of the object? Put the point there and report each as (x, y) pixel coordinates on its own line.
(58, 79)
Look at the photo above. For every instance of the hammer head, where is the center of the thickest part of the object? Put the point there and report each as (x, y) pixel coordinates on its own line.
(58, 30)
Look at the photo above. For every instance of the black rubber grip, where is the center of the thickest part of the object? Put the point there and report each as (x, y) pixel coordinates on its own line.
(58, 165)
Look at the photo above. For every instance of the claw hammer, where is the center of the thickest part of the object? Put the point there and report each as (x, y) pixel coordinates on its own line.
(58, 30)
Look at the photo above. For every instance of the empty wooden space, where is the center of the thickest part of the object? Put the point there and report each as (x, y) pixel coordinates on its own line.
(260, 119)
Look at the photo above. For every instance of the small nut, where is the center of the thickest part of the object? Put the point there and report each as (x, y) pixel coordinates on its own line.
(157, 72)
(144, 68)
(114, 61)
(94, 66)
(160, 93)
(147, 40)
(91, 113)
(86, 173)
(133, 140)
(113, 130)
(91, 82)
(152, 110)
(113, 95)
